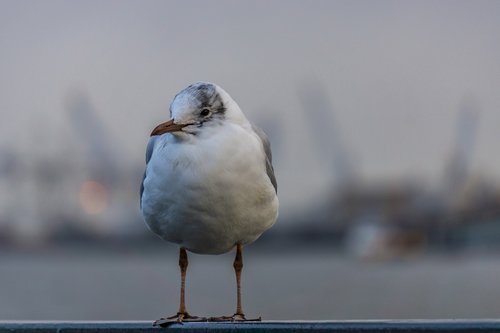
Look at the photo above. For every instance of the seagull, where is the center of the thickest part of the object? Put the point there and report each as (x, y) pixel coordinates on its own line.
(209, 183)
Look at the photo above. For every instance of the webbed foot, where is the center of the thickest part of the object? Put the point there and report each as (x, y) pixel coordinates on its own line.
(240, 317)
(179, 318)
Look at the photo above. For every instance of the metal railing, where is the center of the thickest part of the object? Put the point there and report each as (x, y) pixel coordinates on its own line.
(392, 326)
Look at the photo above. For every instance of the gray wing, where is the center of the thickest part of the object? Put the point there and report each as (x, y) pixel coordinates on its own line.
(269, 157)
(149, 152)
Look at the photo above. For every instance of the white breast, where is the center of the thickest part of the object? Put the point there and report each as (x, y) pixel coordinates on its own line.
(208, 194)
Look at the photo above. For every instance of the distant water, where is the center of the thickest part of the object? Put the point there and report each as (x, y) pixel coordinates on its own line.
(82, 285)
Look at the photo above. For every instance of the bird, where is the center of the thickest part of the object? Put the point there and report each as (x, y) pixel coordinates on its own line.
(209, 184)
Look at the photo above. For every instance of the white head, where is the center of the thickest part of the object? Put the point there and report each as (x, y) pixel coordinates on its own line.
(199, 106)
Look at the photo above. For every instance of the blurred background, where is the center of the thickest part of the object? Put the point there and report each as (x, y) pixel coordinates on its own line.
(384, 121)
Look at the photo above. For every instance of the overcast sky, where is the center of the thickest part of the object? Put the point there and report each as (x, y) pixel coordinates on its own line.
(396, 73)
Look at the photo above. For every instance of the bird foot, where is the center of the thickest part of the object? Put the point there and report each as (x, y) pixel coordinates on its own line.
(179, 318)
(236, 317)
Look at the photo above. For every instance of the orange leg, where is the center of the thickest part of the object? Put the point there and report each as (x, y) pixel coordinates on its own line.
(238, 267)
(182, 315)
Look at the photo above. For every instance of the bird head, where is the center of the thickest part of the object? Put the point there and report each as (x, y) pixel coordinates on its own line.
(200, 106)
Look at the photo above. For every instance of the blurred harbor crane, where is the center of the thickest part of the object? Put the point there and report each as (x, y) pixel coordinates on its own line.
(323, 128)
(457, 167)
(102, 162)
(106, 180)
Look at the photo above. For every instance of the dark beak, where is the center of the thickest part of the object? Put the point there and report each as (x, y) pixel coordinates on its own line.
(166, 127)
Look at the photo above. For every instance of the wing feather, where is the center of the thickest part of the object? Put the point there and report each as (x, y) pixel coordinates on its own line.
(269, 158)
(149, 152)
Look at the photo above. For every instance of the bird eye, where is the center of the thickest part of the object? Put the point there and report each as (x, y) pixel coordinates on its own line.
(205, 112)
